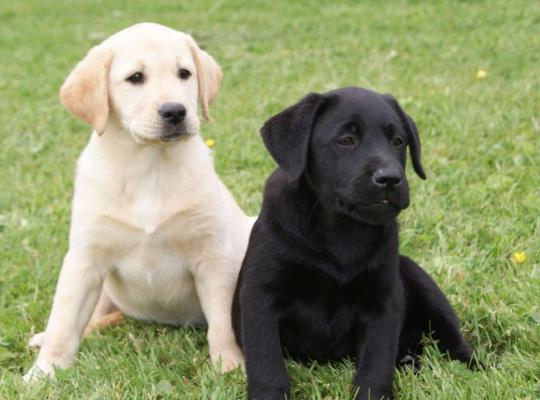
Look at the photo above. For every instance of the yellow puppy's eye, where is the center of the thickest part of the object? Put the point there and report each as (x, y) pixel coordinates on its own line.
(137, 78)
(184, 74)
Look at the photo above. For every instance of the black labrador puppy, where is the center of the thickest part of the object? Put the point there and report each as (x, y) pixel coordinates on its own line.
(322, 278)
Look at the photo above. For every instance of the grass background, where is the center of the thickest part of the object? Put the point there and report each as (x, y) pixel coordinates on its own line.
(481, 203)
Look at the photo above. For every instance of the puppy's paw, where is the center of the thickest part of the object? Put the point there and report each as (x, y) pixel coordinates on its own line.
(36, 341)
(38, 373)
(409, 362)
(228, 359)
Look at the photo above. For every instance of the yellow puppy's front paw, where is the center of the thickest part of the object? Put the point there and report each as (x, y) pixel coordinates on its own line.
(36, 341)
(228, 359)
(39, 372)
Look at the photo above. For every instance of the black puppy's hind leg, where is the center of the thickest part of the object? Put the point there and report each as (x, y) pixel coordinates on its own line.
(428, 311)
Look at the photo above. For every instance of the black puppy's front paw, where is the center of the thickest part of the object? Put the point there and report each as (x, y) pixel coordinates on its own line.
(280, 393)
(374, 395)
(269, 396)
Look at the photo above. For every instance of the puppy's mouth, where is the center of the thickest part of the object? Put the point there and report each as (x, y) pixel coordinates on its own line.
(174, 136)
(167, 138)
(370, 212)
(354, 207)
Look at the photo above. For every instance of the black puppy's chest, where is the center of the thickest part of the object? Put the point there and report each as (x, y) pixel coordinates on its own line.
(320, 316)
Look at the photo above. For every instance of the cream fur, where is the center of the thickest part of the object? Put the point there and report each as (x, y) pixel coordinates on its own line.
(154, 232)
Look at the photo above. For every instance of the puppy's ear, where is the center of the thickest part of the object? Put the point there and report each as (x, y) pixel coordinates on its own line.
(287, 134)
(85, 92)
(209, 76)
(412, 135)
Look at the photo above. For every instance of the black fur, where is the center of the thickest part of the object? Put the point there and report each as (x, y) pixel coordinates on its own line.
(322, 278)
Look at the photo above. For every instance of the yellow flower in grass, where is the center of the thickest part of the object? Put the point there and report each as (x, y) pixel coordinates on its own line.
(210, 142)
(481, 74)
(519, 257)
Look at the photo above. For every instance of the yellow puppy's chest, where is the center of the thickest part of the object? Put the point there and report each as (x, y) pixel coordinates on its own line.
(152, 274)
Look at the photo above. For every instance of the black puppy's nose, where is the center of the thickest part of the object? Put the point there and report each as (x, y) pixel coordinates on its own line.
(387, 177)
(173, 113)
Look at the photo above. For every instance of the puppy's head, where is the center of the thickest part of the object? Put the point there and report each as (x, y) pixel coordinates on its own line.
(350, 146)
(146, 79)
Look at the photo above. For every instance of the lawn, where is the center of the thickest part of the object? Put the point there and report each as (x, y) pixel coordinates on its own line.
(479, 206)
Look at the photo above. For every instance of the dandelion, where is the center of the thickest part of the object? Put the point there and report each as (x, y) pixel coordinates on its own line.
(210, 142)
(519, 257)
(481, 74)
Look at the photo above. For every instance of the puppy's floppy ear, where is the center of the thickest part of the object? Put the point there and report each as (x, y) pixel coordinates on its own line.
(286, 135)
(412, 135)
(209, 76)
(86, 90)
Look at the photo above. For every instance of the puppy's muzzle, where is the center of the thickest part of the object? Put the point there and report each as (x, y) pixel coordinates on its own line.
(173, 116)
(172, 113)
(387, 178)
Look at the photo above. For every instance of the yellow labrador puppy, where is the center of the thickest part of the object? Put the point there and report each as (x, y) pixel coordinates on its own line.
(154, 232)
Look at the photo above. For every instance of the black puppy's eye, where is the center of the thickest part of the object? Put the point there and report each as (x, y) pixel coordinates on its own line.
(346, 141)
(137, 78)
(397, 141)
(184, 74)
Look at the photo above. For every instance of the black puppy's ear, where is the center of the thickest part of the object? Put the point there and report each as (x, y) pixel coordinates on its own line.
(286, 135)
(412, 135)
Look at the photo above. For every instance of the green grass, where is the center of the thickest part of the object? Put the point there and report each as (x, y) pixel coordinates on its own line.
(481, 203)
